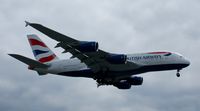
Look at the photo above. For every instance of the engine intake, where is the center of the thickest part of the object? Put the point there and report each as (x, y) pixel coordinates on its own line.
(117, 58)
(85, 46)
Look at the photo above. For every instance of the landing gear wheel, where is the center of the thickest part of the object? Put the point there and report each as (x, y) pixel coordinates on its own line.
(178, 74)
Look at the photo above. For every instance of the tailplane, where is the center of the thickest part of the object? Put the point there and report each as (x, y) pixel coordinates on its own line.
(33, 64)
(28, 61)
(41, 52)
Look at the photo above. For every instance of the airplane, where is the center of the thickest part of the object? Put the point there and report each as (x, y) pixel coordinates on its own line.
(89, 61)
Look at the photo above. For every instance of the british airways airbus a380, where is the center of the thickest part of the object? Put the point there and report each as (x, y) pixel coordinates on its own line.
(89, 61)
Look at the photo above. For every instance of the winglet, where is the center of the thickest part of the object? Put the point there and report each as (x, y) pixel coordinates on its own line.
(27, 23)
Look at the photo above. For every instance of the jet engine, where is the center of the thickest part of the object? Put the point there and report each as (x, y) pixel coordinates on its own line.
(117, 58)
(123, 84)
(85, 46)
(135, 80)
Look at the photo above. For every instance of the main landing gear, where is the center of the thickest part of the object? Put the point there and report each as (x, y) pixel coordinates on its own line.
(178, 73)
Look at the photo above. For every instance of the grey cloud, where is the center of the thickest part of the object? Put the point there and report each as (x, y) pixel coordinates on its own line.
(129, 26)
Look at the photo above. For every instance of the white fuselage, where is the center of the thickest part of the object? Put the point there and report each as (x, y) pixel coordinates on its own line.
(155, 61)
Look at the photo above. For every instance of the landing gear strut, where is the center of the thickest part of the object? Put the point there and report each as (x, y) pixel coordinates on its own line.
(178, 73)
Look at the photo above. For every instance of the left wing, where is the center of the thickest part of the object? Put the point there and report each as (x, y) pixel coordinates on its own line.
(94, 60)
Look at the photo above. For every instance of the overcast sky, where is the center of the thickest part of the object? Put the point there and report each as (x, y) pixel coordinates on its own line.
(120, 26)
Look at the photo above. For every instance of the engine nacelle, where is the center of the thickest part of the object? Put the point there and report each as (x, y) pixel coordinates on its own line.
(135, 80)
(123, 85)
(117, 58)
(85, 46)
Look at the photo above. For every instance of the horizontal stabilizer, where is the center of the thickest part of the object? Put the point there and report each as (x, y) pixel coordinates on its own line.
(29, 61)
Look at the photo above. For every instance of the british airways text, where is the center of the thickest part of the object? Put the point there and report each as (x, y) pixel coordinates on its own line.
(137, 58)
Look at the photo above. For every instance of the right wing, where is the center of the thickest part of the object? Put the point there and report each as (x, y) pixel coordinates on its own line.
(52, 34)
(94, 60)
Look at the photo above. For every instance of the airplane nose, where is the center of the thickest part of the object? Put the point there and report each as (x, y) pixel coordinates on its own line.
(187, 63)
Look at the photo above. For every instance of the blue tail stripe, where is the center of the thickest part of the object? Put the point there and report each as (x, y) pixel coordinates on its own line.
(37, 52)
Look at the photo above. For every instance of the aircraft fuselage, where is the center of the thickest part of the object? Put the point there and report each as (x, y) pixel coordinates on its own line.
(153, 61)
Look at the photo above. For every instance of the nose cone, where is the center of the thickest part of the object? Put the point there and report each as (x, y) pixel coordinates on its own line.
(187, 62)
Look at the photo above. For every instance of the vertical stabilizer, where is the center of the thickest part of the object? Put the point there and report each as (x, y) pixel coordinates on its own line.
(41, 52)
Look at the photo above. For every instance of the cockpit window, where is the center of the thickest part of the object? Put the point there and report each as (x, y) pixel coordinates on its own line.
(181, 56)
(168, 54)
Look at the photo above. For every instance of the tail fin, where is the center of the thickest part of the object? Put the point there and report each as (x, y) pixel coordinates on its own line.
(41, 52)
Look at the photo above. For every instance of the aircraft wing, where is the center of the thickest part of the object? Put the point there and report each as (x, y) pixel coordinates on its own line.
(94, 60)
(51, 33)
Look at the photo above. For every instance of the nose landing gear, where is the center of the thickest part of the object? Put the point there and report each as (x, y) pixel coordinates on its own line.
(178, 73)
